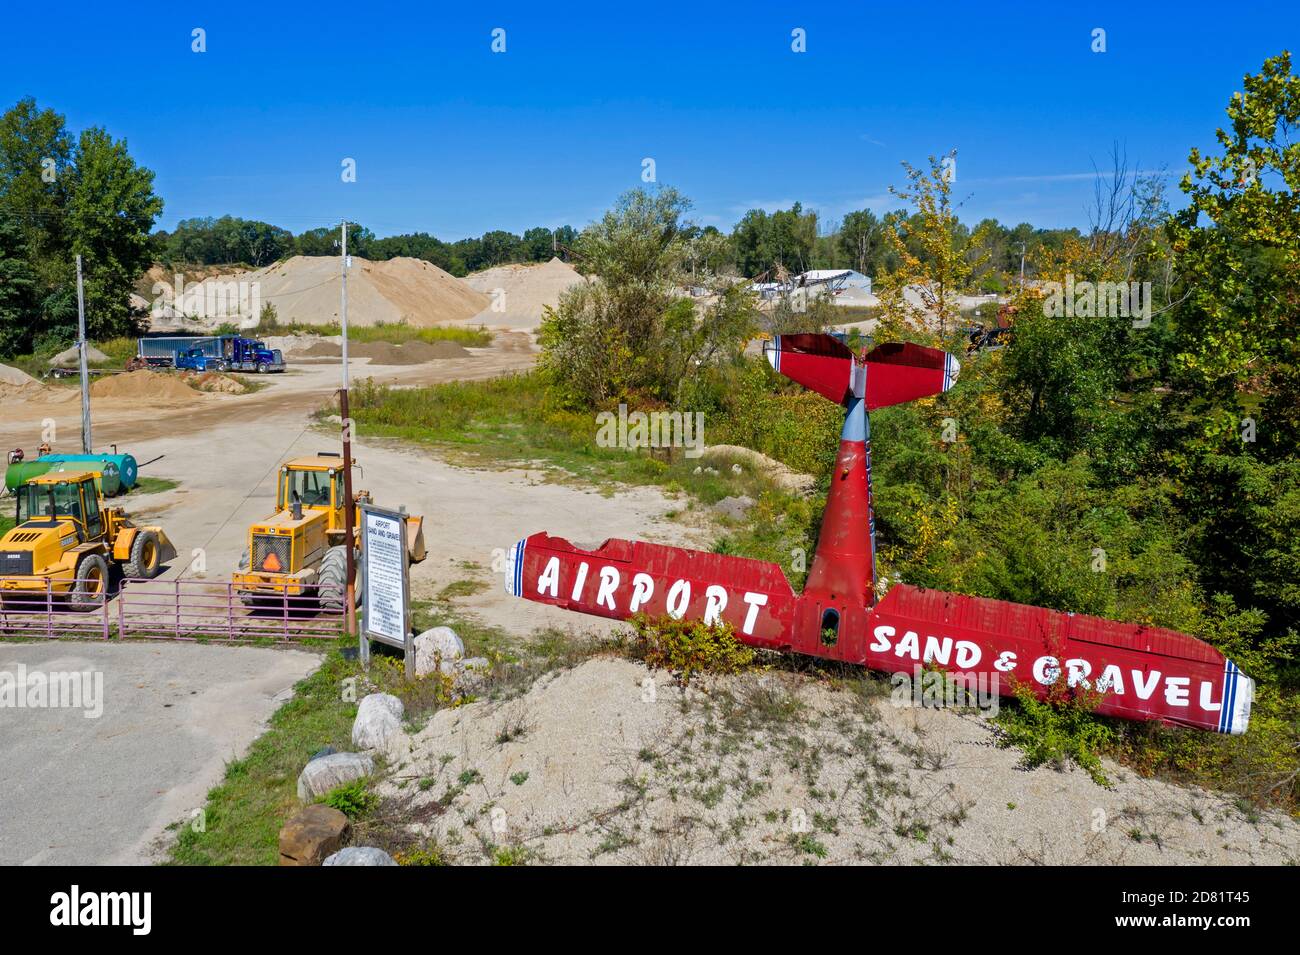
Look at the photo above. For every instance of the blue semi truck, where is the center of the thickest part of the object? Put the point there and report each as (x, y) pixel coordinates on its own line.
(208, 353)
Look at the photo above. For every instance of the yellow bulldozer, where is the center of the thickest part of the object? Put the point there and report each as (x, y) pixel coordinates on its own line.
(65, 540)
(299, 550)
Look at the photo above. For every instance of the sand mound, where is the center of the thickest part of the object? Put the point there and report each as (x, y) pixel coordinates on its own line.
(527, 289)
(784, 477)
(433, 351)
(70, 356)
(149, 385)
(612, 763)
(305, 289)
(17, 385)
(212, 382)
(320, 350)
(15, 377)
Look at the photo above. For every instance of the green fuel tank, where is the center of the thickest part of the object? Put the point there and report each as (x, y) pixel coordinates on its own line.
(109, 481)
(124, 464)
(17, 474)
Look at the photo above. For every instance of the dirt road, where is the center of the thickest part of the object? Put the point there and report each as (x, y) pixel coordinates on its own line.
(224, 449)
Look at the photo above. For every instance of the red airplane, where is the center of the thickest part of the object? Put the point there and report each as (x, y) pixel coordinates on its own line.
(1142, 672)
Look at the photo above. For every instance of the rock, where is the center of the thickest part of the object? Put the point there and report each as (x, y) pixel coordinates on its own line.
(438, 644)
(469, 674)
(329, 772)
(360, 855)
(698, 470)
(734, 507)
(312, 835)
(736, 469)
(379, 722)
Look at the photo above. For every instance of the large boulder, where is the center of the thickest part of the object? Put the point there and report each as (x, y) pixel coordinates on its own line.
(313, 835)
(329, 772)
(437, 649)
(378, 724)
(360, 855)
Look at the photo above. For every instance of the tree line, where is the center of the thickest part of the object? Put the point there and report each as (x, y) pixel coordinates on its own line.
(231, 240)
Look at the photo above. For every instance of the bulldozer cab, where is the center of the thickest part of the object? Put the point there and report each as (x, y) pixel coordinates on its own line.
(314, 483)
(65, 497)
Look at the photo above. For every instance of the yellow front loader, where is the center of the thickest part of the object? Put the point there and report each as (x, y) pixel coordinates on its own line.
(65, 540)
(299, 550)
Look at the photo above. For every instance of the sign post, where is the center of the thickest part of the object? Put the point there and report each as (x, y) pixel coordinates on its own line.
(386, 581)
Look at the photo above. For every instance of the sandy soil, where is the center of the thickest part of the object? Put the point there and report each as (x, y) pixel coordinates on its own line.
(611, 763)
(520, 292)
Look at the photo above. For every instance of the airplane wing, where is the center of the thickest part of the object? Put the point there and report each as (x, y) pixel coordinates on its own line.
(620, 579)
(1145, 673)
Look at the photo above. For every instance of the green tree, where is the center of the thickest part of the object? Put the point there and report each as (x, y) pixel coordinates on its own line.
(85, 197)
(629, 335)
(536, 245)
(17, 288)
(859, 240)
(36, 155)
(111, 209)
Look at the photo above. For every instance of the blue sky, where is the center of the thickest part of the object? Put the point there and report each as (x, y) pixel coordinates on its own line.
(452, 139)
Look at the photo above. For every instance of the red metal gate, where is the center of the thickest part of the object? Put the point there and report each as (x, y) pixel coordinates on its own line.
(169, 610)
(38, 610)
(200, 609)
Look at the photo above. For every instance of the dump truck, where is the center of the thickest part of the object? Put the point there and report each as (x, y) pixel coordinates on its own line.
(299, 550)
(66, 541)
(206, 353)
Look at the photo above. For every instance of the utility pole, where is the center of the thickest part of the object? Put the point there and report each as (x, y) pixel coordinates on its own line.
(349, 506)
(85, 375)
(1022, 266)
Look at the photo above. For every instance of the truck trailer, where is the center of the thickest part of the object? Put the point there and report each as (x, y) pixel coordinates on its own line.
(208, 353)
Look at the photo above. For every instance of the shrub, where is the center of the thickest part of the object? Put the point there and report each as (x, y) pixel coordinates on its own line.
(1057, 730)
(352, 799)
(688, 647)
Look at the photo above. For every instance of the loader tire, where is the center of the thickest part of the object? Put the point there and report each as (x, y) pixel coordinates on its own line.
(91, 587)
(333, 574)
(332, 579)
(146, 557)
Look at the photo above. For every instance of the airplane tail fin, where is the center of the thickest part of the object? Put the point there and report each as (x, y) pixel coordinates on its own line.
(899, 372)
(820, 363)
(889, 374)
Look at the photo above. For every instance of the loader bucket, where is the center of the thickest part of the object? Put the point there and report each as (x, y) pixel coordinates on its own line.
(166, 549)
(415, 539)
